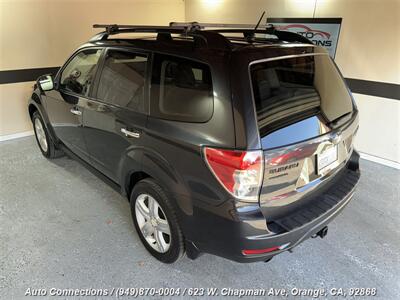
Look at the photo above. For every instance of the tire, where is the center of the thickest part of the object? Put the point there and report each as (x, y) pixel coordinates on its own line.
(151, 228)
(46, 145)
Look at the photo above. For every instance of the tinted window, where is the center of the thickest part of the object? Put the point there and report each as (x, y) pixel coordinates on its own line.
(181, 90)
(287, 87)
(122, 80)
(78, 75)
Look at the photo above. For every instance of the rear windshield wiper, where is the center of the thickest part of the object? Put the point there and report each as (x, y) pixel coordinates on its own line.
(340, 119)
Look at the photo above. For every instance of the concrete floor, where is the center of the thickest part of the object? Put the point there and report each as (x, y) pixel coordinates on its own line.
(63, 227)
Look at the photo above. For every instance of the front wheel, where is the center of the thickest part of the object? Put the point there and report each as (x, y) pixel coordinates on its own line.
(155, 221)
(46, 145)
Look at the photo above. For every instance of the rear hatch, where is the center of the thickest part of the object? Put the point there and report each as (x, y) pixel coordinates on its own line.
(307, 120)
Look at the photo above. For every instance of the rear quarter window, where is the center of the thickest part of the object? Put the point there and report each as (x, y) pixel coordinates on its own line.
(181, 90)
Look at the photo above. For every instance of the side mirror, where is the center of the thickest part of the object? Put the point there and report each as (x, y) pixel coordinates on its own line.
(46, 83)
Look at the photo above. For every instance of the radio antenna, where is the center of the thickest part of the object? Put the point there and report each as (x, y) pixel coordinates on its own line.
(259, 21)
(250, 34)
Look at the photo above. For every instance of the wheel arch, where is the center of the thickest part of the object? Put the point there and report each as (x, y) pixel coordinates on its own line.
(35, 105)
(153, 165)
(132, 179)
(32, 109)
(169, 178)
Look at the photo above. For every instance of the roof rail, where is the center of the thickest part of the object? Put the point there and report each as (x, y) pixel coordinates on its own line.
(286, 36)
(248, 30)
(210, 33)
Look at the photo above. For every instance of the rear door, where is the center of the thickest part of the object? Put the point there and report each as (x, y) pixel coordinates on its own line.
(66, 103)
(306, 120)
(115, 118)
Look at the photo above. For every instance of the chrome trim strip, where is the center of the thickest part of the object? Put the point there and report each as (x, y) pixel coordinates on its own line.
(283, 57)
(345, 131)
(292, 171)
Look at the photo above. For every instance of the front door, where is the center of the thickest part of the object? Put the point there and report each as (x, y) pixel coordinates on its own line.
(66, 103)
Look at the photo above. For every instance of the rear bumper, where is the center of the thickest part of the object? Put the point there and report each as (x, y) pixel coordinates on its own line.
(291, 238)
(230, 238)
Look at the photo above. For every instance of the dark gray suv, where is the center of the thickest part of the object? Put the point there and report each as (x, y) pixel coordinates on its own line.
(226, 139)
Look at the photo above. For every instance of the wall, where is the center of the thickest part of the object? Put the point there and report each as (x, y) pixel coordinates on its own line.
(369, 49)
(43, 33)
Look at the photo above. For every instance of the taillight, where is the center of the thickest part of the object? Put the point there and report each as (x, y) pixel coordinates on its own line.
(239, 172)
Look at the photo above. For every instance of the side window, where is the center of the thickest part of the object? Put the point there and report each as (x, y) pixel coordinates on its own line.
(79, 74)
(122, 80)
(181, 90)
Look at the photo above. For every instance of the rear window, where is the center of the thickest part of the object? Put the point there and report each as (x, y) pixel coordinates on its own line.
(181, 90)
(295, 88)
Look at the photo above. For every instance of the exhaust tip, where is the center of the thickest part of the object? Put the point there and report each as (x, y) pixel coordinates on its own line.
(323, 232)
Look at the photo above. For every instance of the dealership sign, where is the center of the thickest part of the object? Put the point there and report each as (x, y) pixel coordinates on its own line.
(321, 31)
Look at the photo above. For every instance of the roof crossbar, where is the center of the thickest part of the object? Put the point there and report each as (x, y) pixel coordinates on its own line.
(211, 39)
(211, 33)
(216, 25)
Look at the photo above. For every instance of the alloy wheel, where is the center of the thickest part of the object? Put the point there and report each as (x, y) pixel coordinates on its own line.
(41, 135)
(153, 223)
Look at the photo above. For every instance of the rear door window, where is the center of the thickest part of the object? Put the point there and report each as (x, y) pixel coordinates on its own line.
(297, 87)
(122, 80)
(181, 90)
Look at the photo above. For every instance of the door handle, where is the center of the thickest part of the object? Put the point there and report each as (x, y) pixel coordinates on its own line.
(130, 133)
(75, 111)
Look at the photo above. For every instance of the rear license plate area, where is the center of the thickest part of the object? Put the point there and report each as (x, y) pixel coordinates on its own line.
(326, 158)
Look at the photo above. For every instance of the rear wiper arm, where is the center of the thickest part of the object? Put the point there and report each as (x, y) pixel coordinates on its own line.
(337, 120)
